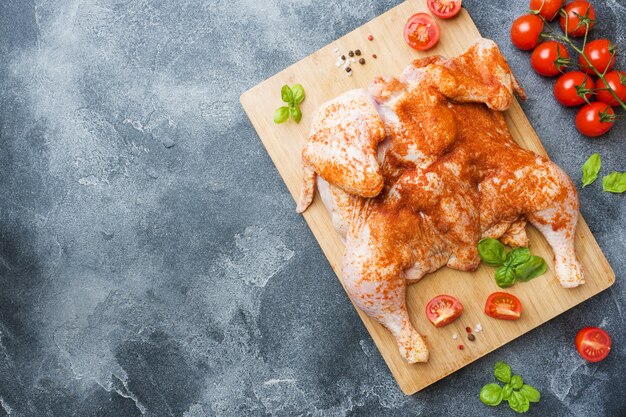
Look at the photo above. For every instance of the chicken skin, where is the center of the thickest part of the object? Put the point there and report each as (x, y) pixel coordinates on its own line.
(419, 168)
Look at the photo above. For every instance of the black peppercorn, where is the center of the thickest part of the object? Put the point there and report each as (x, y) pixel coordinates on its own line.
(348, 69)
(343, 57)
(471, 337)
(362, 61)
(357, 52)
(351, 53)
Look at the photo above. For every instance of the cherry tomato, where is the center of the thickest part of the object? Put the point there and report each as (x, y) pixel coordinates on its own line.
(575, 24)
(444, 9)
(593, 344)
(595, 119)
(503, 306)
(617, 81)
(549, 9)
(572, 88)
(421, 32)
(549, 58)
(601, 53)
(443, 310)
(525, 31)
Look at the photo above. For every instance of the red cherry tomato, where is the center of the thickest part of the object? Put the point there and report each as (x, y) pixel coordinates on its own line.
(444, 9)
(503, 306)
(549, 9)
(443, 310)
(578, 12)
(549, 58)
(525, 31)
(617, 81)
(593, 344)
(595, 119)
(601, 53)
(572, 88)
(421, 32)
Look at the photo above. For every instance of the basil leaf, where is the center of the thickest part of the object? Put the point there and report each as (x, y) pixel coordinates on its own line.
(281, 115)
(505, 277)
(517, 256)
(615, 182)
(296, 113)
(507, 390)
(491, 251)
(298, 94)
(491, 394)
(530, 393)
(517, 382)
(286, 94)
(502, 372)
(533, 268)
(518, 402)
(591, 168)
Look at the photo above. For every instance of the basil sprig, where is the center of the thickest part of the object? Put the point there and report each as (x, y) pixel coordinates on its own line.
(293, 97)
(517, 265)
(518, 394)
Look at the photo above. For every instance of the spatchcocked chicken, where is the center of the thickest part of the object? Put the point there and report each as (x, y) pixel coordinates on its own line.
(417, 169)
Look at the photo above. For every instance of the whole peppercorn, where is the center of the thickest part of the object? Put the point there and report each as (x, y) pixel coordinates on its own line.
(357, 52)
(362, 61)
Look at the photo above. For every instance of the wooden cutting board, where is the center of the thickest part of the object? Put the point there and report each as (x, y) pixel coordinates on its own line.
(542, 298)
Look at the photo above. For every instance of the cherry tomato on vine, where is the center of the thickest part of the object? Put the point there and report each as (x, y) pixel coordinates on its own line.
(421, 32)
(601, 53)
(572, 88)
(549, 58)
(579, 13)
(444, 9)
(595, 119)
(593, 344)
(617, 82)
(525, 31)
(549, 9)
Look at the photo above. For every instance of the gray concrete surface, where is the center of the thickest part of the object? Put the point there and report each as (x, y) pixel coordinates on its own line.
(151, 262)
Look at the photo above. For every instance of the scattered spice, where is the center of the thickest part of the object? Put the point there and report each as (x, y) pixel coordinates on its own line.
(348, 69)
(357, 52)
(362, 61)
(351, 53)
(455, 336)
(370, 38)
(478, 328)
(343, 57)
(471, 337)
(461, 347)
(468, 329)
(374, 56)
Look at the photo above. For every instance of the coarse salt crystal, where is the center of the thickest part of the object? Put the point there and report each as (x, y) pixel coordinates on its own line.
(336, 50)
(353, 60)
(455, 336)
(478, 328)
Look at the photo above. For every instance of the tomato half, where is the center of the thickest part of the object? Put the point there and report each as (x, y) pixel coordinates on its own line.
(578, 12)
(549, 9)
(601, 53)
(443, 310)
(444, 9)
(503, 306)
(421, 32)
(593, 344)
(549, 58)
(595, 119)
(572, 88)
(525, 31)
(617, 82)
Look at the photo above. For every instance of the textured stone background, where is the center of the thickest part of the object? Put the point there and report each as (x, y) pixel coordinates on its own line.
(151, 261)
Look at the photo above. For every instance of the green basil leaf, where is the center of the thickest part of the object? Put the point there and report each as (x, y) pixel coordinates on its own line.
(491, 251)
(491, 394)
(507, 390)
(517, 256)
(298, 94)
(518, 402)
(517, 382)
(615, 182)
(502, 372)
(281, 115)
(530, 393)
(505, 277)
(533, 268)
(296, 113)
(286, 94)
(591, 168)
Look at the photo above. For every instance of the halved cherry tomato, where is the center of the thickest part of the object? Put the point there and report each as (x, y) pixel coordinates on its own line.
(595, 119)
(593, 344)
(573, 87)
(525, 31)
(443, 310)
(617, 82)
(601, 53)
(578, 12)
(503, 306)
(549, 58)
(549, 9)
(444, 9)
(421, 32)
